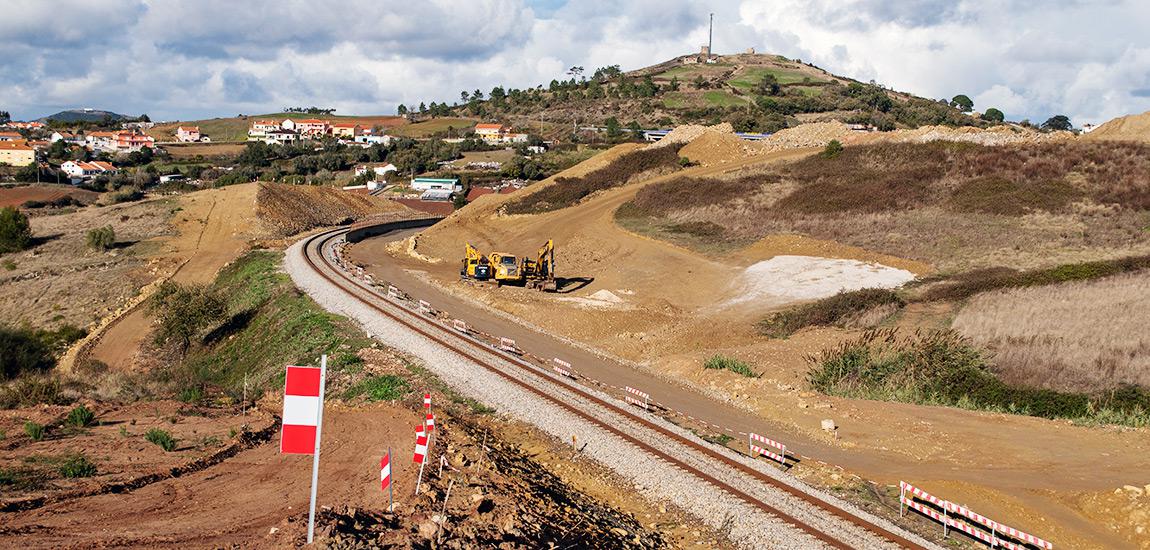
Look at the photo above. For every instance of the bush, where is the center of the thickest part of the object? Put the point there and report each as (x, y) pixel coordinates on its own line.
(565, 192)
(32, 350)
(34, 431)
(77, 465)
(387, 387)
(185, 311)
(832, 150)
(997, 195)
(721, 362)
(101, 238)
(30, 390)
(827, 312)
(943, 368)
(80, 417)
(15, 232)
(161, 438)
(974, 282)
(126, 194)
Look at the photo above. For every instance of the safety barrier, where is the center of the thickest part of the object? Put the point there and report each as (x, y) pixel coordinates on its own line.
(425, 307)
(459, 325)
(507, 344)
(642, 399)
(756, 450)
(392, 292)
(944, 512)
(562, 367)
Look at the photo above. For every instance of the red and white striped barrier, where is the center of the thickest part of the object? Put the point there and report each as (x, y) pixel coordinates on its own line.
(425, 306)
(385, 472)
(642, 399)
(459, 325)
(507, 344)
(420, 446)
(392, 292)
(757, 450)
(430, 422)
(909, 493)
(427, 401)
(563, 368)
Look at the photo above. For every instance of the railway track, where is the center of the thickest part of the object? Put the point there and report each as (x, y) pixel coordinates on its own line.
(482, 354)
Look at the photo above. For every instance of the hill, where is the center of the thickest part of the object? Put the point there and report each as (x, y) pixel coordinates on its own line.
(752, 92)
(236, 128)
(1126, 128)
(85, 115)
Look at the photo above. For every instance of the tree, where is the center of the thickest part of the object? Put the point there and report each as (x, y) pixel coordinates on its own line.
(422, 107)
(401, 110)
(464, 96)
(5, 117)
(701, 83)
(459, 201)
(101, 238)
(962, 103)
(185, 311)
(1057, 122)
(993, 115)
(832, 150)
(15, 232)
(575, 72)
(635, 129)
(614, 130)
(674, 85)
(769, 85)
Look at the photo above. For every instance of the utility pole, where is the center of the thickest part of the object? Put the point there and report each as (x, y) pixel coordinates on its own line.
(710, 36)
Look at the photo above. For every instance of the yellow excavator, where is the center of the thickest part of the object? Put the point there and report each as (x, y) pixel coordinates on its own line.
(503, 268)
(475, 265)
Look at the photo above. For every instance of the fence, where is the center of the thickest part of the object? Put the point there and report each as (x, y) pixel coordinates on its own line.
(562, 367)
(756, 450)
(459, 325)
(507, 344)
(641, 399)
(425, 307)
(950, 514)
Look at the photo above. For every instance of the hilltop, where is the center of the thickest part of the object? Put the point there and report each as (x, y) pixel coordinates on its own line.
(753, 92)
(85, 115)
(236, 128)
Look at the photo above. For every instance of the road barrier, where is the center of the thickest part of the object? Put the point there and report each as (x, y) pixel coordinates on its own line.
(562, 367)
(951, 514)
(507, 344)
(642, 399)
(756, 450)
(460, 325)
(425, 307)
(392, 292)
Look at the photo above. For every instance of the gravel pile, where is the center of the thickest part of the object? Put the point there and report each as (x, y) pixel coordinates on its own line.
(688, 132)
(745, 525)
(995, 135)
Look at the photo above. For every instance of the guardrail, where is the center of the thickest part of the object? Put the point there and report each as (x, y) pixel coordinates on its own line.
(950, 516)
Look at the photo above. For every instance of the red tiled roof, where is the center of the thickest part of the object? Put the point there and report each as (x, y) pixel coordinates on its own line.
(190, 128)
(16, 145)
(311, 121)
(488, 126)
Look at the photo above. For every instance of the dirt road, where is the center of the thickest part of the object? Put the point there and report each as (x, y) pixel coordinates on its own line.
(238, 502)
(212, 230)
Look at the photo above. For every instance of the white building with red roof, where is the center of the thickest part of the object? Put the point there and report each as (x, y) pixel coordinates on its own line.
(79, 169)
(188, 134)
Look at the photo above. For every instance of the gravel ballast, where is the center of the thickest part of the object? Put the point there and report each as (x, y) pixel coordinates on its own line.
(745, 525)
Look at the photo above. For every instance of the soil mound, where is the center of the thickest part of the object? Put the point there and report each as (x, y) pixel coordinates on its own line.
(995, 135)
(688, 132)
(1126, 128)
(291, 209)
(713, 147)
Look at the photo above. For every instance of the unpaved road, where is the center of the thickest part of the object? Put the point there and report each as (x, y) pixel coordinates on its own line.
(237, 502)
(213, 229)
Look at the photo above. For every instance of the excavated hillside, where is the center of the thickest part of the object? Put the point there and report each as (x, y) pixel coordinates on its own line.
(1126, 128)
(292, 209)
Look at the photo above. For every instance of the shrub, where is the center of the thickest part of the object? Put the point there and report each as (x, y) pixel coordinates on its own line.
(974, 282)
(832, 150)
(698, 229)
(34, 431)
(8, 264)
(387, 387)
(996, 195)
(101, 238)
(32, 350)
(721, 362)
(681, 192)
(161, 438)
(77, 465)
(80, 417)
(185, 311)
(943, 368)
(829, 311)
(15, 232)
(126, 194)
(30, 390)
(565, 192)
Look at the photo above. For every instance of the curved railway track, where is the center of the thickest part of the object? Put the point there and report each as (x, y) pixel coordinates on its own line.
(476, 351)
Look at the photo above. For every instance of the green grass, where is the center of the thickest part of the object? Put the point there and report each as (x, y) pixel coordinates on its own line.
(272, 324)
(720, 362)
(830, 311)
(676, 100)
(76, 465)
(34, 431)
(968, 284)
(431, 127)
(387, 387)
(943, 368)
(687, 73)
(161, 438)
(722, 98)
(80, 417)
(749, 78)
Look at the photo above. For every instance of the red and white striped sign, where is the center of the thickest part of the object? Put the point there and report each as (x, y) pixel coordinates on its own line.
(392, 292)
(642, 398)
(562, 367)
(427, 400)
(460, 325)
(424, 306)
(909, 493)
(430, 422)
(302, 402)
(384, 472)
(507, 344)
(420, 446)
(757, 450)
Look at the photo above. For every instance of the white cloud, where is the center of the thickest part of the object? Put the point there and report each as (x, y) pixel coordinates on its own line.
(1089, 60)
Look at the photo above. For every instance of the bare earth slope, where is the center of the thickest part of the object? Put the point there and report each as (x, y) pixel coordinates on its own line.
(1127, 128)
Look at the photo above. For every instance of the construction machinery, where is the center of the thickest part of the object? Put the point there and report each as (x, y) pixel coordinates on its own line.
(540, 272)
(475, 265)
(503, 268)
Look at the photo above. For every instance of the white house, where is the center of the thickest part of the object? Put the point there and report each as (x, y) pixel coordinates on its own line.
(444, 184)
(81, 170)
(372, 139)
(281, 137)
(67, 137)
(380, 171)
(188, 133)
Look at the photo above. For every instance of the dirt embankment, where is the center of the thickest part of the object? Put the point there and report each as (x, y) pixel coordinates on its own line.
(1127, 128)
(291, 209)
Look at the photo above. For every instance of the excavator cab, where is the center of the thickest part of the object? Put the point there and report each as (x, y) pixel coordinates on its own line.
(475, 265)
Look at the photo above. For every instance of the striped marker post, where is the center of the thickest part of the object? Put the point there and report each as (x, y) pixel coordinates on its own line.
(420, 456)
(303, 422)
(385, 477)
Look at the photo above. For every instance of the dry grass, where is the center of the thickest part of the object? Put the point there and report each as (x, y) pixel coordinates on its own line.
(1084, 336)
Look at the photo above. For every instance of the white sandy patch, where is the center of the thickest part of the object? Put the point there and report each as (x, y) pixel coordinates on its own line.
(603, 299)
(785, 279)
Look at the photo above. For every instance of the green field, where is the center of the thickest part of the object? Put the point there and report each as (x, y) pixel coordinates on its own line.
(751, 77)
(676, 100)
(689, 72)
(432, 127)
(721, 98)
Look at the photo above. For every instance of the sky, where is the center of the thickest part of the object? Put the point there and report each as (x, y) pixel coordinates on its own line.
(177, 59)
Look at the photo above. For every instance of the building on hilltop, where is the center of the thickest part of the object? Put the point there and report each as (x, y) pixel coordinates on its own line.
(189, 134)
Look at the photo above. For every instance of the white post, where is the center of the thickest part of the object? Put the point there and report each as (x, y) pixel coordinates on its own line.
(315, 456)
(901, 501)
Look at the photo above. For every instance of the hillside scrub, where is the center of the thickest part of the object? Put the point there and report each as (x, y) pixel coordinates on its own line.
(831, 311)
(565, 192)
(25, 350)
(15, 232)
(968, 284)
(944, 368)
